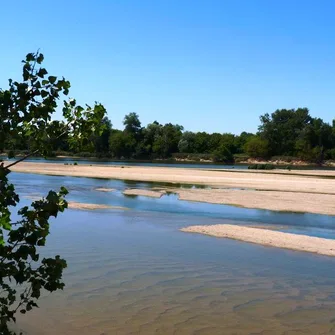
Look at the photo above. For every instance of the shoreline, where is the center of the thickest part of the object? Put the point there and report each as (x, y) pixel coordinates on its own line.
(143, 192)
(278, 163)
(267, 237)
(278, 191)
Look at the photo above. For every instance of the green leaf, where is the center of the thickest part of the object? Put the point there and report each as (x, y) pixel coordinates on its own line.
(40, 58)
(30, 57)
(44, 93)
(42, 72)
(52, 79)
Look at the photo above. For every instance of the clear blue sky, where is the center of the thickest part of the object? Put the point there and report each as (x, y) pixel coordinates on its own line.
(208, 65)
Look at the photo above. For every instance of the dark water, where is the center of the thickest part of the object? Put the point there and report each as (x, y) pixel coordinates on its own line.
(134, 272)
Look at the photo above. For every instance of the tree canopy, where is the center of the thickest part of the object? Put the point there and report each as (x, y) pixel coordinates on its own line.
(285, 132)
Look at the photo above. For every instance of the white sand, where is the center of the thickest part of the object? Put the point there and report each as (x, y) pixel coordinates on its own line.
(79, 205)
(268, 237)
(303, 191)
(143, 192)
(103, 189)
(271, 200)
(85, 206)
(266, 180)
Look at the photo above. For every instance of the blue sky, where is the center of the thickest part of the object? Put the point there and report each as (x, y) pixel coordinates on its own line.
(209, 65)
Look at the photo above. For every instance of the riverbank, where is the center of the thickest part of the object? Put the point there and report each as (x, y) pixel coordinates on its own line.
(278, 162)
(268, 237)
(301, 191)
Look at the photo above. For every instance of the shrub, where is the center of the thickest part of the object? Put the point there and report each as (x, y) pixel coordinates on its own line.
(330, 154)
(222, 154)
(256, 147)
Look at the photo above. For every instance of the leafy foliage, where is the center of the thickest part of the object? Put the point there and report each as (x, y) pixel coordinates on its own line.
(222, 154)
(257, 147)
(25, 113)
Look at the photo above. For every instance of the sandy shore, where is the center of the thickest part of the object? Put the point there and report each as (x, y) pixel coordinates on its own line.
(299, 180)
(143, 192)
(103, 189)
(79, 205)
(270, 200)
(268, 237)
(85, 206)
(301, 190)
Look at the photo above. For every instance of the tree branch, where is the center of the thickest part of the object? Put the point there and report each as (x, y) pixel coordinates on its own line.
(37, 151)
(22, 159)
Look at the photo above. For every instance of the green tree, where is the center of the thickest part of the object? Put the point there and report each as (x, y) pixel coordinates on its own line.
(150, 133)
(241, 140)
(229, 141)
(222, 155)
(282, 128)
(102, 141)
(257, 147)
(201, 143)
(132, 124)
(167, 140)
(214, 141)
(26, 108)
(121, 144)
(314, 140)
(187, 142)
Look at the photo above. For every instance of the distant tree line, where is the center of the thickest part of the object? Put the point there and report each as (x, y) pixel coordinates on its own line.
(285, 133)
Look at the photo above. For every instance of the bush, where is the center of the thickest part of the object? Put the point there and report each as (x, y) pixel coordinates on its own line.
(330, 154)
(223, 155)
(314, 155)
(256, 147)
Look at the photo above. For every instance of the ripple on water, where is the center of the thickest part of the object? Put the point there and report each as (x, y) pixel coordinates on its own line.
(134, 273)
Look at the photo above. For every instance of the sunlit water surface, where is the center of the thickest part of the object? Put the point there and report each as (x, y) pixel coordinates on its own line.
(134, 272)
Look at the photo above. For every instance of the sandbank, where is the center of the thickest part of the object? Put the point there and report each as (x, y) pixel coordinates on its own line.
(85, 206)
(103, 189)
(298, 191)
(268, 237)
(299, 180)
(270, 200)
(79, 205)
(143, 192)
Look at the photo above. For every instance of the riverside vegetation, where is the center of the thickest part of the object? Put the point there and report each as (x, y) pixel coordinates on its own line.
(286, 135)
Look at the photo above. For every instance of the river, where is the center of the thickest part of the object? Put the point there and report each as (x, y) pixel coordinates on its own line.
(133, 272)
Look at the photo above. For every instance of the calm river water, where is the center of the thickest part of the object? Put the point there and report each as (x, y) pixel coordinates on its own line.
(134, 272)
